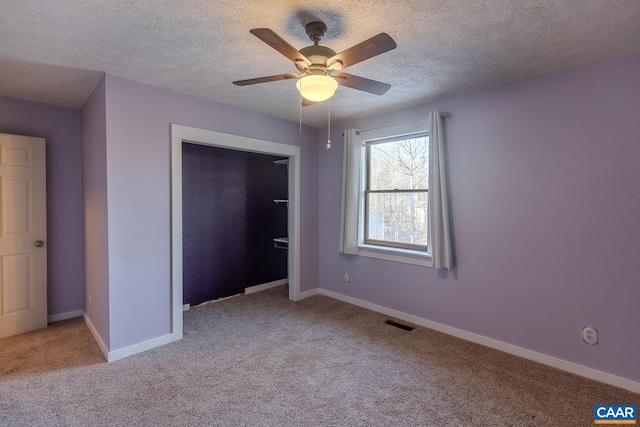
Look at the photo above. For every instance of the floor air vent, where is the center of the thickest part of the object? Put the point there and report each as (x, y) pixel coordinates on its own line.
(399, 325)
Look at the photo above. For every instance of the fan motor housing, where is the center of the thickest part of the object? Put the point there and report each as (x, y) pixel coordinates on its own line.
(317, 54)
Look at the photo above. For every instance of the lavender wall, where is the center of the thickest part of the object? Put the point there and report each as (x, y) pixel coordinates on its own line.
(94, 187)
(138, 170)
(544, 180)
(61, 129)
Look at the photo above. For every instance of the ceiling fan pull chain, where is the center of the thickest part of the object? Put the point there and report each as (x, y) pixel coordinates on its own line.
(300, 111)
(329, 127)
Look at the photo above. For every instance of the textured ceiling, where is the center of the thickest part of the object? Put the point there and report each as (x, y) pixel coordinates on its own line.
(54, 51)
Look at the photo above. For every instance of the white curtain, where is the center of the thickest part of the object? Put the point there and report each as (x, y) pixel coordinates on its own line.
(439, 232)
(350, 192)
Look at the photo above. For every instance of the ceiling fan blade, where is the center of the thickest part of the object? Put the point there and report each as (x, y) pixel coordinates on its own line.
(365, 50)
(360, 83)
(279, 44)
(265, 79)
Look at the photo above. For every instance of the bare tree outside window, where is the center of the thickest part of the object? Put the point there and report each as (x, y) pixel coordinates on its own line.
(396, 193)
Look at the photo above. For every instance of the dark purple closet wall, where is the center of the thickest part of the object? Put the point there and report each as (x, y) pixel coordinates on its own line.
(230, 220)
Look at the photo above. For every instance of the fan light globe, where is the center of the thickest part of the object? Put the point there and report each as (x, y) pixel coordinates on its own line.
(317, 88)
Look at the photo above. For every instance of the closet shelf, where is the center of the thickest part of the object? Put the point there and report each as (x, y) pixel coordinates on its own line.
(281, 243)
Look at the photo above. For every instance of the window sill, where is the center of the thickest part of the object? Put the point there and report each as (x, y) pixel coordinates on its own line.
(396, 254)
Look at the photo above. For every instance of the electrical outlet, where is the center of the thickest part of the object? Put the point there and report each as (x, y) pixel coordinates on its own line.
(346, 277)
(589, 334)
(90, 295)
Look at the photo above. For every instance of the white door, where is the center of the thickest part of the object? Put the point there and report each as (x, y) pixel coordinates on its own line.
(23, 232)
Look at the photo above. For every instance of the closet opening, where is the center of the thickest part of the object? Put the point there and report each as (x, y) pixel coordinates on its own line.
(235, 217)
(234, 222)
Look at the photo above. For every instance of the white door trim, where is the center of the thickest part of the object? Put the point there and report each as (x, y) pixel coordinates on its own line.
(180, 134)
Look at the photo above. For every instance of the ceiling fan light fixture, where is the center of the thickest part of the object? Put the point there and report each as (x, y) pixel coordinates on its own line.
(317, 88)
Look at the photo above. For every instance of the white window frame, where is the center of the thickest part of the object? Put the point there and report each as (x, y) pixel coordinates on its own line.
(407, 256)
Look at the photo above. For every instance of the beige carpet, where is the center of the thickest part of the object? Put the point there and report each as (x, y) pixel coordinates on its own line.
(262, 360)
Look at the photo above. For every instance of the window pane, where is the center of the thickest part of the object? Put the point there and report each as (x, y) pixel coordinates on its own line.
(399, 165)
(398, 217)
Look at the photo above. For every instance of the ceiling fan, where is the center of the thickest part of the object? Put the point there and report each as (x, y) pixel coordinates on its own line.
(320, 67)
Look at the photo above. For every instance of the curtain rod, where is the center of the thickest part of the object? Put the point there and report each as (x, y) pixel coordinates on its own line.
(445, 115)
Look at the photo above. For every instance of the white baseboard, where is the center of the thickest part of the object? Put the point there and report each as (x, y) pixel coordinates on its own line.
(96, 336)
(310, 293)
(258, 288)
(554, 362)
(139, 348)
(64, 316)
(121, 353)
(186, 307)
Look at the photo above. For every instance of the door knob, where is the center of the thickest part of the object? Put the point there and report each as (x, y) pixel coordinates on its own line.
(38, 243)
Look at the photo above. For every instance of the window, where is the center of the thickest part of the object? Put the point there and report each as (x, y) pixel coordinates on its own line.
(395, 191)
(388, 210)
